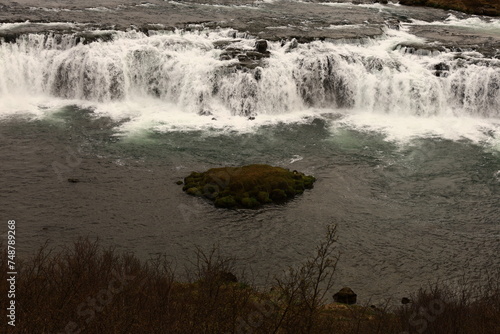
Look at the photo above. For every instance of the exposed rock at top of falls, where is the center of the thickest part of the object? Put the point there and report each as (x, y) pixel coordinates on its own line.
(261, 46)
(267, 20)
(419, 49)
(272, 21)
(455, 38)
(82, 34)
(247, 58)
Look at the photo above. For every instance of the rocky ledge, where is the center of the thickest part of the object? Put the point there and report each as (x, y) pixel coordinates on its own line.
(249, 186)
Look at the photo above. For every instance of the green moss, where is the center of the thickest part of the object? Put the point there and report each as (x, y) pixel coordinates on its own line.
(194, 191)
(308, 182)
(278, 195)
(263, 197)
(250, 202)
(225, 202)
(247, 186)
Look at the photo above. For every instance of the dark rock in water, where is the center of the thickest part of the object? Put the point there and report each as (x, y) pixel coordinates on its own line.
(393, 24)
(290, 45)
(247, 187)
(205, 112)
(257, 74)
(247, 64)
(442, 67)
(91, 36)
(251, 118)
(8, 37)
(225, 56)
(71, 180)
(405, 300)
(248, 59)
(345, 296)
(261, 45)
(257, 55)
(221, 44)
(242, 57)
(179, 182)
(441, 70)
(419, 49)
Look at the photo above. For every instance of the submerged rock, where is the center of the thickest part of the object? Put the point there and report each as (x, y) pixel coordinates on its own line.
(247, 187)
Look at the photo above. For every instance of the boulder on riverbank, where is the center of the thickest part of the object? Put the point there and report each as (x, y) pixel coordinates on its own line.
(345, 296)
(247, 187)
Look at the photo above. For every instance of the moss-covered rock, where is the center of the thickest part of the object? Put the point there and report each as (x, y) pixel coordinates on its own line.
(248, 186)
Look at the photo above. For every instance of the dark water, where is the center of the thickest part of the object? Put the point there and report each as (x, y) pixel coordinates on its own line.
(407, 214)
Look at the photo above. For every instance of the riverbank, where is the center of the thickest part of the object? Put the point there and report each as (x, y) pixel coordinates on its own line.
(89, 289)
(477, 7)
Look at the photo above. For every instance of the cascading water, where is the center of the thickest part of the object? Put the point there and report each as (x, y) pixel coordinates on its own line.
(184, 68)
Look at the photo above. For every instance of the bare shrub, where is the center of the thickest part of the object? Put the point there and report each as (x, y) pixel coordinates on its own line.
(91, 289)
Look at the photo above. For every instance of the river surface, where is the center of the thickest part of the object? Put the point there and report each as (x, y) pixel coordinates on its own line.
(394, 110)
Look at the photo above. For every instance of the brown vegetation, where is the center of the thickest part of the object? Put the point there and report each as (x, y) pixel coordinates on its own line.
(479, 7)
(89, 289)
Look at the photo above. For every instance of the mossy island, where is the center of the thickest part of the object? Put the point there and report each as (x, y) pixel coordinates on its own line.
(248, 186)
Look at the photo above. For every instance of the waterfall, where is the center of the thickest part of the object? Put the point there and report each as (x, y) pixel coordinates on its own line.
(192, 70)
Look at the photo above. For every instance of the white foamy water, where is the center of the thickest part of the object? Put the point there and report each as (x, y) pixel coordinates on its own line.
(176, 81)
(473, 23)
(10, 26)
(45, 9)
